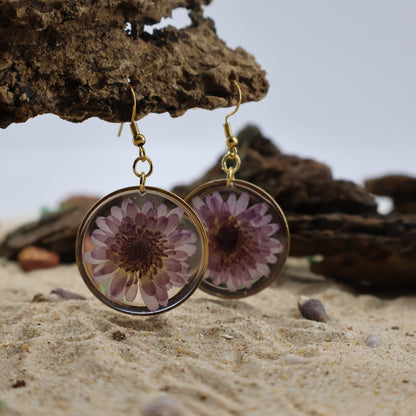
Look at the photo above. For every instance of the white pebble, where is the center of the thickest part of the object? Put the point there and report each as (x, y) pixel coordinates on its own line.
(163, 405)
(372, 341)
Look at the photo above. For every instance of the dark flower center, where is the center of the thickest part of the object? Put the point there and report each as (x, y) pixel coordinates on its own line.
(227, 237)
(139, 251)
(231, 242)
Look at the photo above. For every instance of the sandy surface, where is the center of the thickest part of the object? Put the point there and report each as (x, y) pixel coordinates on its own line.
(256, 356)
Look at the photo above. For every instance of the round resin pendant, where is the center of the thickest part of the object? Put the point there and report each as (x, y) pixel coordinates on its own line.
(248, 237)
(142, 252)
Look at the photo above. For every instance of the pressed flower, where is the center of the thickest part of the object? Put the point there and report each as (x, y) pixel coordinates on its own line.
(141, 250)
(241, 239)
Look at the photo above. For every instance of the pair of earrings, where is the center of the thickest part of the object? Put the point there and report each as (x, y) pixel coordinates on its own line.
(143, 250)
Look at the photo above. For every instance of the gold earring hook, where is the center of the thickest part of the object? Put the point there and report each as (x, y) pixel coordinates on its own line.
(232, 143)
(238, 103)
(227, 126)
(133, 113)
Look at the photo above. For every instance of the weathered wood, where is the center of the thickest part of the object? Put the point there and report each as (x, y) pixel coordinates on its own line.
(55, 231)
(334, 219)
(363, 250)
(73, 59)
(401, 188)
(298, 185)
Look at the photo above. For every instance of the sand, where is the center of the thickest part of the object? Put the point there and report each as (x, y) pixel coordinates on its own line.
(256, 356)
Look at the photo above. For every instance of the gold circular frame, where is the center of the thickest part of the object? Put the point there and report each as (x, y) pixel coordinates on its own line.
(184, 293)
(258, 194)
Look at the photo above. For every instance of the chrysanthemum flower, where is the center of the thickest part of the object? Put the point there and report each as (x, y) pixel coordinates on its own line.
(240, 239)
(141, 248)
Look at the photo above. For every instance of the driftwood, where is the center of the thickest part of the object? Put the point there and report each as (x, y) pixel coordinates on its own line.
(332, 218)
(401, 189)
(362, 250)
(335, 219)
(54, 231)
(73, 59)
(299, 185)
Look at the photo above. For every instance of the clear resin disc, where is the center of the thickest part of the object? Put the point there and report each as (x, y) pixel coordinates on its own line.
(142, 253)
(248, 237)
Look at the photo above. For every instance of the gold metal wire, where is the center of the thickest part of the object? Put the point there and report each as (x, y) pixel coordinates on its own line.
(138, 140)
(232, 143)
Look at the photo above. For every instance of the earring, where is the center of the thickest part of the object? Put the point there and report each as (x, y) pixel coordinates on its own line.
(247, 231)
(141, 250)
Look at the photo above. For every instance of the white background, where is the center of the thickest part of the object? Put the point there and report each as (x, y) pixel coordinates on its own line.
(342, 91)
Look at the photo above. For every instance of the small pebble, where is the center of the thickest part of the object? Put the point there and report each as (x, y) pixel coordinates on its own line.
(312, 309)
(66, 294)
(119, 336)
(33, 258)
(19, 383)
(39, 298)
(372, 341)
(164, 405)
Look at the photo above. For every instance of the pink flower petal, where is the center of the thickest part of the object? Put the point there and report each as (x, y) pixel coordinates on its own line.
(99, 237)
(148, 286)
(150, 301)
(232, 203)
(117, 285)
(148, 205)
(173, 221)
(162, 210)
(180, 237)
(214, 201)
(125, 203)
(113, 224)
(131, 293)
(263, 269)
(88, 258)
(178, 211)
(162, 279)
(189, 249)
(270, 229)
(179, 254)
(140, 220)
(132, 210)
(176, 279)
(161, 224)
(116, 212)
(104, 271)
(242, 202)
(96, 256)
(272, 259)
(263, 220)
(197, 203)
(173, 265)
(276, 246)
(162, 296)
(101, 223)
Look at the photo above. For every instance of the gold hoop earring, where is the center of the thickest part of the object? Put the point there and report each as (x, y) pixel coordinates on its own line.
(141, 250)
(248, 234)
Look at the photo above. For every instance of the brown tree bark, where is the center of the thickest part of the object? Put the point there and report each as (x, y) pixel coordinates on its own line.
(73, 59)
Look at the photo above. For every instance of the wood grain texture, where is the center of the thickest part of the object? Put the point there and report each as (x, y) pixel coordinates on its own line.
(73, 59)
